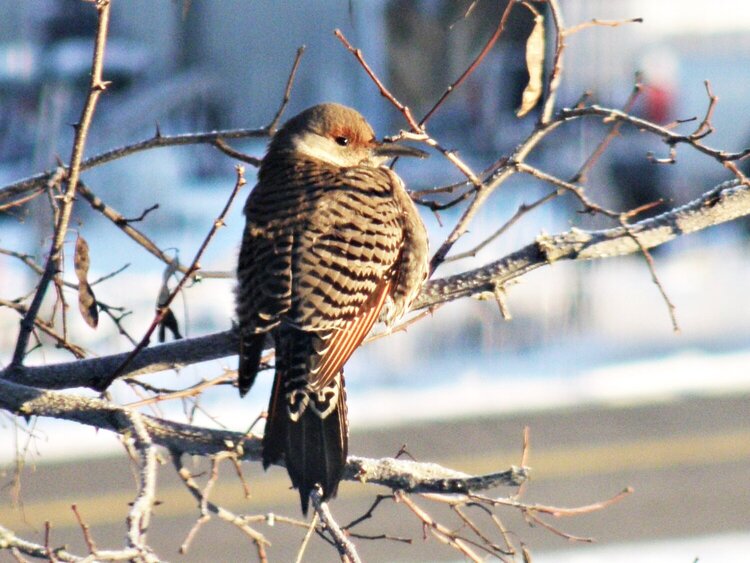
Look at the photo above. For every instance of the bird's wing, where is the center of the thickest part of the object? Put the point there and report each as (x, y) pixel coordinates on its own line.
(342, 343)
(343, 265)
(264, 268)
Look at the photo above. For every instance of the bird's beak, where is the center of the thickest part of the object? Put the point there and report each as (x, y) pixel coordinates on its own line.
(388, 149)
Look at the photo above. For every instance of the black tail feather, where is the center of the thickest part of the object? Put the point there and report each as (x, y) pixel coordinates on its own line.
(251, 349)
(313, 448)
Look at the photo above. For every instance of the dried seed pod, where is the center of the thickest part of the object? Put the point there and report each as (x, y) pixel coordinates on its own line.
(86, 297)
(535, 66)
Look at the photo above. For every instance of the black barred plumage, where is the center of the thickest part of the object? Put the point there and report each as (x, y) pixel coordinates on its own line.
(330, 238)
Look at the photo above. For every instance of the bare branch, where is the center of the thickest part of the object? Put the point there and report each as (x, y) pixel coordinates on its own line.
(580, 176)
(343, 544)
(20, 191)
(438, 530)
(140, 512)
(94, 373)
(668, 136)
(726, 202)
(189, 439)
(595, 22)
(474, 64)
(421, 477)
(194, 267)
(271, 127)
(144, 241)
(207, 506)
(8, 540)
(419, 132)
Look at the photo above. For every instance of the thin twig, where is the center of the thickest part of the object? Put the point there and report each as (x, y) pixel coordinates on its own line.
(144, 241)
(47, 329)
(419, 133)
(438, 530)
(306, 539)
(522, 210)
(598, 23)
(580, 176)
(474, 64)
(192, 391)
(205, 514)
(143, 214)
(85, 529)
(10, 193)
(222, 145)
(271, 127)
(221, 512)
(706, 128)
(488, 544)
(668, 136)
(553, 82)
(654, 277)
(555, 511)
(194, 266)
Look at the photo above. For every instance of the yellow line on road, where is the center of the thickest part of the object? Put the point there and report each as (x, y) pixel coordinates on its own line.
(640, 455)
(273, 489)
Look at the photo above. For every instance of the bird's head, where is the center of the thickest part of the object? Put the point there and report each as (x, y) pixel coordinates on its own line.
(337, 135)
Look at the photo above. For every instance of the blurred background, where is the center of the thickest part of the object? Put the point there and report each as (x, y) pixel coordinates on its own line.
(589, 361)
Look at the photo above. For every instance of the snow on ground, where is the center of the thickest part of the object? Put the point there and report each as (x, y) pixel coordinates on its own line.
(719, 548)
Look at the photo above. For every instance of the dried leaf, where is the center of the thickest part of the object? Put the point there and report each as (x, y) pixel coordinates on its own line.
(169, 322)
(81, 259)
(87, 304)
(164, 289)
(535, 66)
(86, 297)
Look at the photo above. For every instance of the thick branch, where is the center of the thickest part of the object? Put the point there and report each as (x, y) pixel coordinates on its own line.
(92, 372)
(420, 477)
(726, 202)
(182, 438)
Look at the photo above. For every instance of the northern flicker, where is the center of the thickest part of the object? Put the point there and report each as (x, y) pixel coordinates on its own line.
(332, 240)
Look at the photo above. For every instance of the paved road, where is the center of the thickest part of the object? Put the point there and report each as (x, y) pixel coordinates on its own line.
(688, 461)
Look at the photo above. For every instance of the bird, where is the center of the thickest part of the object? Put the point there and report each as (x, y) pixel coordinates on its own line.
(332, 243)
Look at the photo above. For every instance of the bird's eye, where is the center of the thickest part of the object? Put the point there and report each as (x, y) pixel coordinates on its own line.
(343, 141)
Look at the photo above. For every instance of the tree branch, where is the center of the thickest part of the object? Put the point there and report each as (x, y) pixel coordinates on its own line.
(12, 193)
(93, 372)
(8, 540)
(180, 438)
(726, 202)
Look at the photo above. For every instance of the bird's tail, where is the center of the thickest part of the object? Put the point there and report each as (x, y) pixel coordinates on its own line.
(306, 428)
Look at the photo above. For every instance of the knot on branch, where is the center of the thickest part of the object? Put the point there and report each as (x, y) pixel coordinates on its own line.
(563, 246)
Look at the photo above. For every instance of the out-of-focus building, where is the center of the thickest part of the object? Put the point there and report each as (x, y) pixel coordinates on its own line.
(225, 64)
